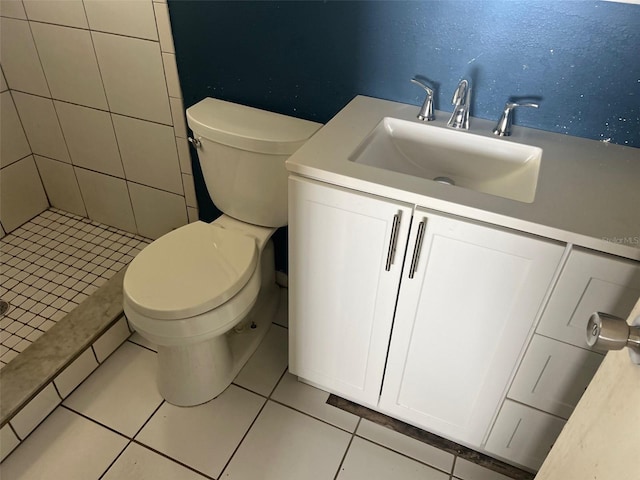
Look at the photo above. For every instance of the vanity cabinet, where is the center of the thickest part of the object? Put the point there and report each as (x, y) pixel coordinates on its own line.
(467, 298)
(467, 330)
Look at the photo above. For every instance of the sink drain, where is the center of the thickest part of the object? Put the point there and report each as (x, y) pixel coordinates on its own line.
(445, 180)
(4, 307)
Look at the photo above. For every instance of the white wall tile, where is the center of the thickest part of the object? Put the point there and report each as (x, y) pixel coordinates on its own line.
(90, 138)
(164, 27)
(14, 145)
(60, 12)
(35, 411)
(171, 73)
(3, 82)
(177, 116)
(134, 18)
(69, 64)
(157, 212)
(19, 57)
(133, 77)
(185, 155)
(12, 8)
(61, 185)
(189, 190)
(41, 125)
(149, 153)
(8, 441)
(76, 373)
(106, 199)
(111, 340)
(22, 195)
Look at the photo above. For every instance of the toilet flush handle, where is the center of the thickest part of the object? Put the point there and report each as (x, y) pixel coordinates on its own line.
(195, 142)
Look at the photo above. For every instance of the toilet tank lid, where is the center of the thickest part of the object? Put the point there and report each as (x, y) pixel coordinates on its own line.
(249, 128)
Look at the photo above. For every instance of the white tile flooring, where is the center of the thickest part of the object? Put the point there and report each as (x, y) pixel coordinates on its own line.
(266, 425)
(51, 264)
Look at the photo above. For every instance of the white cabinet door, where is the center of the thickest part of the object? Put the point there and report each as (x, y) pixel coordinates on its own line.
(462, 322)
(589, 282)
(343, 284)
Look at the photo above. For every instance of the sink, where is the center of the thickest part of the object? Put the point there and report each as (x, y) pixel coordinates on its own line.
(489, 165)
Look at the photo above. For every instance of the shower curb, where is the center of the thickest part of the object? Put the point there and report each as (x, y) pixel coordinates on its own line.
(22, 379)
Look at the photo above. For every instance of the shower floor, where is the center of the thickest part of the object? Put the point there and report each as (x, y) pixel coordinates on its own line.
(51, 264)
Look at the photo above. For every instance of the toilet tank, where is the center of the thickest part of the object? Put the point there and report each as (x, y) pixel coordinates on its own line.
(242, 152)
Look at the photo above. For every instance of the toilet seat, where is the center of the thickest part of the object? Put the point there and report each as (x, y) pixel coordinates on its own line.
(189, 271)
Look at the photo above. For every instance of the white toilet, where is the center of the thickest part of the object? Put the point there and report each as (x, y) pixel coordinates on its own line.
(206, 293)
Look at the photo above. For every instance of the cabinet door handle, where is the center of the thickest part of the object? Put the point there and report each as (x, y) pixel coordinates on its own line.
(417, 248)
(393, 241)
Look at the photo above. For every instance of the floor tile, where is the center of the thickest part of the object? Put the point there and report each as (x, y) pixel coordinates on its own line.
(368, 461)
(130, 373)
(408, 446)
(312, 401)
(140, 463)
(67, 444)
(466, 470)
(287, 445)
(203, 437)
(140, 340)
(265, 367)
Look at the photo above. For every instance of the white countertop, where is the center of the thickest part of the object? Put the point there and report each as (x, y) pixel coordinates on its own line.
(588, 191)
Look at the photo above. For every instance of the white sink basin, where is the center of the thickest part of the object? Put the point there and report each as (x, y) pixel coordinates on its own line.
(483, 164)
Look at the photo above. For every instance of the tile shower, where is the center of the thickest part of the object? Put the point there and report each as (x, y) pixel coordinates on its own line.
(94, 157)
(50, 265)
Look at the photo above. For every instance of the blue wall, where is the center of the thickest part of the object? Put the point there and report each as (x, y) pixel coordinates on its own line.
(309, 59)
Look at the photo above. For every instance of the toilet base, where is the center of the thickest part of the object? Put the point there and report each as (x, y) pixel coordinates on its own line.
(194, 374)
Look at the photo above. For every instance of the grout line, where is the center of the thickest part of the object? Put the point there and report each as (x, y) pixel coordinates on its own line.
(226, 465)
(174, 460)
(346, 451)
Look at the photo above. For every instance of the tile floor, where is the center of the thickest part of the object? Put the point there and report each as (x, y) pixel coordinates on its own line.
(265, 426)
(51, 264)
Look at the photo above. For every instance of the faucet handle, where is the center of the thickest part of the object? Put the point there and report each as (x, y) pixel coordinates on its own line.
(503, 128)
(426, 112)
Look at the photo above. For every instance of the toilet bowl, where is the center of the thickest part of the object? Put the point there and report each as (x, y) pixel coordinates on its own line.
(205, 293)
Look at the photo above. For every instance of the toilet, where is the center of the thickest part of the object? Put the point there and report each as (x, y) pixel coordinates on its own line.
(205, 293)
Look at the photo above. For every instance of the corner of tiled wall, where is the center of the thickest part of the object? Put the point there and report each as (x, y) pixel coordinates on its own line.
(93, 107)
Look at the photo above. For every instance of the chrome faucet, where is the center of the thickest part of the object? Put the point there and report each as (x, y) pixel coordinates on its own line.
(426, 112)
(503, 128)
(461, 101)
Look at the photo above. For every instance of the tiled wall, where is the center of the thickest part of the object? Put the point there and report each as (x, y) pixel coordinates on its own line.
(92, 115)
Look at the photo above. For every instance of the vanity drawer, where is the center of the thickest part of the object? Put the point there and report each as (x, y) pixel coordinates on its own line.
(589, 282)
(553, 375)
(523, 435)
